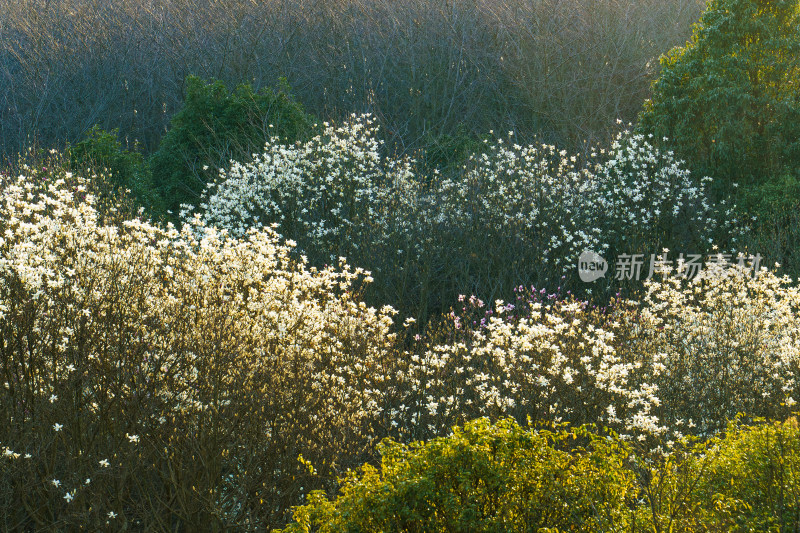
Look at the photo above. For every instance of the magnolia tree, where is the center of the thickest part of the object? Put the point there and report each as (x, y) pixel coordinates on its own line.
(724, 343)
(688, 358)
(152, 376)
(510, 207)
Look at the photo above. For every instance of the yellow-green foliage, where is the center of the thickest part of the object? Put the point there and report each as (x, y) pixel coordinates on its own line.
(483, 477)
(748, 480)
(503, 477)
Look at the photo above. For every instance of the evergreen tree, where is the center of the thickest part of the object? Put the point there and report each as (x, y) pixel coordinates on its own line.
(728, 100)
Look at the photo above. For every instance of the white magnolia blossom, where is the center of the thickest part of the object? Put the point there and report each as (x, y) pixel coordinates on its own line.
(338, 194)
(205, 324)
(685, 360)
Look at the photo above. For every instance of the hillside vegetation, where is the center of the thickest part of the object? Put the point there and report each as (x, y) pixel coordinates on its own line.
(563, 69)
(331, 266)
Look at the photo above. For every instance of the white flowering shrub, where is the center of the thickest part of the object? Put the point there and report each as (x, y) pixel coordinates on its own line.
(724, 343)
(646, 199)
(321, 192)
(532, 199)
(684, 361)
(543, 360)
(335, 195)
(158, 379)
(516, 206)
(514, 214)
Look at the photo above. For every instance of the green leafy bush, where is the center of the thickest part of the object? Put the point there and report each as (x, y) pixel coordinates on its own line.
(728, 101)
(748, 480)
(752, 480)
(215, 126)
(103, 152)
(483, 477)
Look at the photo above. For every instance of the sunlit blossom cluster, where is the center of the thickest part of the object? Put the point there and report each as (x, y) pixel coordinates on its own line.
(326, 193)
(339, 194)
(645, 196)
(128, 347)
(544, 360)
(686, 359)
(724, 343)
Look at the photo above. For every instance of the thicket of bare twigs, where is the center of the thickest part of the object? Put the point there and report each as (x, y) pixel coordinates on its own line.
(563, 69)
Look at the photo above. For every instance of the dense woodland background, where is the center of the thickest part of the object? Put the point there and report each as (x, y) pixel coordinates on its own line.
(562, 70)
